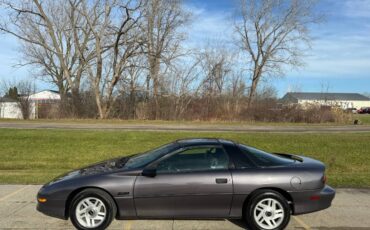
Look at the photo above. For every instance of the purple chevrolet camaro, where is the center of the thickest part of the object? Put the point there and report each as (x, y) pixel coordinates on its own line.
(191, 179)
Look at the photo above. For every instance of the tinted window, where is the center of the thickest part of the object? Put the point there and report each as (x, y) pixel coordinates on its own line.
(145, 158)
(240, 160)
(264, 159)
(195, 159)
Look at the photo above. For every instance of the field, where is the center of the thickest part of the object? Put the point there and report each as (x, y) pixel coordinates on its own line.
(36, 156)
(365, 119)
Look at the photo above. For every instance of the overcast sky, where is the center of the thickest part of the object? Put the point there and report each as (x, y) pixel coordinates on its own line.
(339, 60)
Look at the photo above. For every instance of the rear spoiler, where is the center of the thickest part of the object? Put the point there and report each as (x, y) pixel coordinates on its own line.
(290, 156)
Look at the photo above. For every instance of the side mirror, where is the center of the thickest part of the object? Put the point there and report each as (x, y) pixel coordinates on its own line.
(149, 172)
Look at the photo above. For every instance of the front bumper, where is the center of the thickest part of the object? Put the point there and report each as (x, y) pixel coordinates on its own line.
(312, 201)
(53, 208)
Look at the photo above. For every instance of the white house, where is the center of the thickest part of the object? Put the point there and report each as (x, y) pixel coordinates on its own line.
(9, 108)
(342, 100)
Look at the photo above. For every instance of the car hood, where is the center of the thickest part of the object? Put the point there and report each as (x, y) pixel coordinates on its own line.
(103, 167)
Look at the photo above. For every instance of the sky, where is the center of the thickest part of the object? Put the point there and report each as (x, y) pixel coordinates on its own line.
(339, 60)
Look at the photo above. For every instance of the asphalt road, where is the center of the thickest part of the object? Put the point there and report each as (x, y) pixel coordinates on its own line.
(350, 210)
(187, 127)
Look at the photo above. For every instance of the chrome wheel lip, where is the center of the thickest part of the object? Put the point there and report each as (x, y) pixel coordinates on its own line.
(91, 212)
(268, 213)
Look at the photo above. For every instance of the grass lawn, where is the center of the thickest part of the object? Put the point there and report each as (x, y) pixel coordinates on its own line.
(363, 118)
(36, 156)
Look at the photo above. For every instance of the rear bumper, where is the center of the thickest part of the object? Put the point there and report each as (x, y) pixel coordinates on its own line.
(312, 201)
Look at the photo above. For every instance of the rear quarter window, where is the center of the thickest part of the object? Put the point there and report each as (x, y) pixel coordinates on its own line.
(264, 159)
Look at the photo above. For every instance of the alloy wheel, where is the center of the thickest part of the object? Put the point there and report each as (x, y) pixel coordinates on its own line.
(268, 213)
(91, 212)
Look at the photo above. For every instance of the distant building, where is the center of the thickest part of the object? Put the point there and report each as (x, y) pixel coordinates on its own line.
(40, 104)
(45, 96)
(342, 100)
(9, 108)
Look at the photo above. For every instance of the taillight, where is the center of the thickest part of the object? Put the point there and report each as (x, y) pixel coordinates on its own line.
(314, 197)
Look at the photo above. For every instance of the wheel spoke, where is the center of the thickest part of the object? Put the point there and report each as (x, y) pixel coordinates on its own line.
(97, 203)
(99, 218)
(90, 203)
(259, 217)
(262, 207)
(86, 203)
(87, 221)
(81, 211)
(279, 211)
(273, 204)
(273, 222)
(99, 206)
(268, 222)
(277, 216)
(269, 203)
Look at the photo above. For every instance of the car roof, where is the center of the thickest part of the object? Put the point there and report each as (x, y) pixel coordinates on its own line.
(203, 141)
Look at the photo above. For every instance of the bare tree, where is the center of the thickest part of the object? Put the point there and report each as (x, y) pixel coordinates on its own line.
(161, 23)
(184, 86)
(216, 64)
(131, 89)
(51, 40)
(273, 35)
(235, 93)
(26, 105)
(113, 24)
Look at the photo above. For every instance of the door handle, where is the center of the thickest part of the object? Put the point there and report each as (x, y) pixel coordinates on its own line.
(221, 180)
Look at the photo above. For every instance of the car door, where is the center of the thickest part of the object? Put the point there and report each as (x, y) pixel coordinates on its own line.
(192, 182)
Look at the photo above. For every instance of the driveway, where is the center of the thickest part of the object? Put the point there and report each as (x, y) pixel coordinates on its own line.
(350, 210)
(187, 127)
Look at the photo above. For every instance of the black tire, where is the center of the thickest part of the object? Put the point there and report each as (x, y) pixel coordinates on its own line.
(109, 203)
(260, 196)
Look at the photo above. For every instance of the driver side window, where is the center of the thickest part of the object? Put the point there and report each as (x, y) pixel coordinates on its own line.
(195, 159)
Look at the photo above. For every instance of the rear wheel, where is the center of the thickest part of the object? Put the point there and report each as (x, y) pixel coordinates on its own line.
(267, 210)
(92, 209)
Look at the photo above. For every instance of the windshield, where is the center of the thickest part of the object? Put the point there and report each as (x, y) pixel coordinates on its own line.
(143, 159)
(264, 159)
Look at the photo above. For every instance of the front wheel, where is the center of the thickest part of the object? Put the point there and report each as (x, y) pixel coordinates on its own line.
(267, 210)
(92, 209)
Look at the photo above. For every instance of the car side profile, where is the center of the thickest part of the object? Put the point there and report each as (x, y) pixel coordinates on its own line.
(191, 179)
